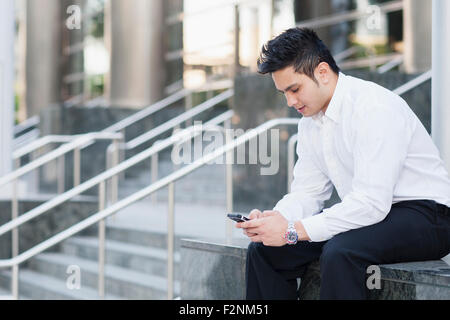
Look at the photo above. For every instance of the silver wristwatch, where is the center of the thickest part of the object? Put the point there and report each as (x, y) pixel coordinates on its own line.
(291, 235)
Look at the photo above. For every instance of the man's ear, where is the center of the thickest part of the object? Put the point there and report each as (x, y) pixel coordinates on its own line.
(322, 73)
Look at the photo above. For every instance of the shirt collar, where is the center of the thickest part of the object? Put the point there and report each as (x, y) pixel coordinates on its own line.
(334, 107)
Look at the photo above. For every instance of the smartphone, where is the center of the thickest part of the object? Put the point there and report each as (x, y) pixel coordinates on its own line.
(237, 217)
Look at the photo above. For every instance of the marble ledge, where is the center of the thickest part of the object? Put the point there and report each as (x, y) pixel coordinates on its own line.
(435, 272)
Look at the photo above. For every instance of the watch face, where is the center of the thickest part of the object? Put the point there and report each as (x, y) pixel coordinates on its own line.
(292, 236)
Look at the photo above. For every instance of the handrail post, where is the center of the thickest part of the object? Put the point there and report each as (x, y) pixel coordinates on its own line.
(15, 241)
(76, 166)
(188, 103)
(120, 150)
(229, 180)
(115, 179)
(61, 174)
(154, 174)
(170, 240)
(101, 242)
(113, 157)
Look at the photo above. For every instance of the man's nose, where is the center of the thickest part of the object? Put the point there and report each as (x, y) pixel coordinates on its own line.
(291, 100)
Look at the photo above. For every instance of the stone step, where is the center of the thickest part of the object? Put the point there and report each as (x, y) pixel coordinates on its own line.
(118, 281)
(37, 286)
(130, 256)
(131, 235)
(5, 294)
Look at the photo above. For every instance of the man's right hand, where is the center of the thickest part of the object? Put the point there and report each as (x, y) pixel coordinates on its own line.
(254, 214)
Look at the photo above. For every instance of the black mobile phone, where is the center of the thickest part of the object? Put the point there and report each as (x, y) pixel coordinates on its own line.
(237, 217)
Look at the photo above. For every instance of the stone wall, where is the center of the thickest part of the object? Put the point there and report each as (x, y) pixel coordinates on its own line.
(39, 229)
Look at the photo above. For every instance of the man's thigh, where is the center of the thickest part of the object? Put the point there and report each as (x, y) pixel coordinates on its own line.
(410, 232)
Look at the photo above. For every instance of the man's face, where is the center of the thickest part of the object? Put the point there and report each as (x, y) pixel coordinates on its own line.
(301, 92)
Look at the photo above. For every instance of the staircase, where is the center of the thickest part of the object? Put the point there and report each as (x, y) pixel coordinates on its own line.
(136, 255)
(136, 241)
(133, 269)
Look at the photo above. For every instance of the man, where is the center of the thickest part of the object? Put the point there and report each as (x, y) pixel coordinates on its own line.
(366, 141)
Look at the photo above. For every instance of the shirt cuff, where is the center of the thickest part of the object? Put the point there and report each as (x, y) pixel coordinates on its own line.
(316, 228)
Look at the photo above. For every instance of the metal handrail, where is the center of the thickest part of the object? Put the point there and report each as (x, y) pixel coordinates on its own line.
(26, 138)
(39, 143)
(25, 125)
(119, 126)
(71, 146)
(108, 174)
(369, 61)
(348, 16)
(346, 53)
(413, 83)
(173, 123)
(391, 64)
(128, 121)
(166, 181)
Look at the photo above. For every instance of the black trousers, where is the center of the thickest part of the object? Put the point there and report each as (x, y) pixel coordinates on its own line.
(414, 230)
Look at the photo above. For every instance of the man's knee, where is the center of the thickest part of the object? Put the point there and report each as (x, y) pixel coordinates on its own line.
(334, 252)
(340, 251)
(254, 248)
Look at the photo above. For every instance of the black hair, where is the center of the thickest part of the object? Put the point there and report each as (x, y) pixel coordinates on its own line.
(297, 47)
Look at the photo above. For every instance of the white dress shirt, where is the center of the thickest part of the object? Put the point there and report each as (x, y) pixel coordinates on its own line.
(373, 149)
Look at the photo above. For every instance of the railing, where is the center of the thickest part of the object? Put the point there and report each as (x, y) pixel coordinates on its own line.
(413, 83)
(25, 132)
(74, 146)
(39, 143)
(123, 124)
(99, 180)
(26, 138)
(175, 122)
(388, 60)
(391, 64)
(336, 18)
(113, 150)
(26, 125)
(128, 121)
(371, 62)
(119, 126)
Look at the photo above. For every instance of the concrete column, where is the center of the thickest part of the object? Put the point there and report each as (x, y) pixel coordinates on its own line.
(416, 35)
(6, 84)
(137, 62)
(43, 51)
(440, 113)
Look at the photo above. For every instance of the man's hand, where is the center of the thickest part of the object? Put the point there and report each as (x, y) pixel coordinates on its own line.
(267, 227)
(254, 214)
